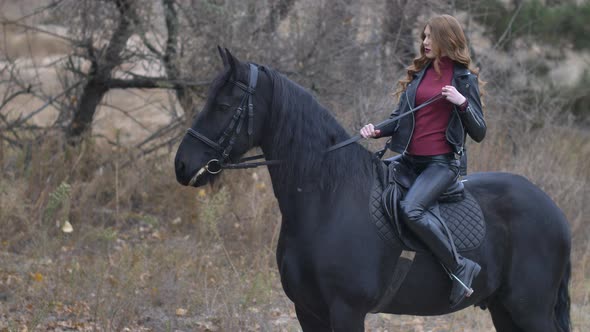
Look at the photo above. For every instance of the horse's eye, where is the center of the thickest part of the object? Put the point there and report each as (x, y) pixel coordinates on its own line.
(223, 106)
(224, 103)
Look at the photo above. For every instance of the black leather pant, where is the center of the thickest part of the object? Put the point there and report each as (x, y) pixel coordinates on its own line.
(435, 175)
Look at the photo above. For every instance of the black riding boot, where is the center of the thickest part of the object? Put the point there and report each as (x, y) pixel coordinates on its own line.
(463, 270)
(434, 178)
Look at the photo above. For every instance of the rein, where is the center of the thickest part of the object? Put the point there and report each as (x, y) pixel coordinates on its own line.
(385, 123)
(216, 165)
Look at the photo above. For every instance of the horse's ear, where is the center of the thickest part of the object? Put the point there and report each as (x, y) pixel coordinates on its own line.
(223, 56)
(233, 61)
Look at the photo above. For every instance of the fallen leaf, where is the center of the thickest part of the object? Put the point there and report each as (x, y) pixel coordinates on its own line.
(38, 277)
(181, 312)
(67, 227)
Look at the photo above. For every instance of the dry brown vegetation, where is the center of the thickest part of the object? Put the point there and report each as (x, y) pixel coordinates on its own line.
(145, 254)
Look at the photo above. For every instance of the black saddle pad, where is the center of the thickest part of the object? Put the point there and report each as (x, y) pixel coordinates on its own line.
(464, 219)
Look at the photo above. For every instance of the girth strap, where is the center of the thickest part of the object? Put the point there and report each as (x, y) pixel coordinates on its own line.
(402, 267)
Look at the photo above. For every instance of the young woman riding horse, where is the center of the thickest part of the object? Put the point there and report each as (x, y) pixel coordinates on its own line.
(430, 140)
(335, 266)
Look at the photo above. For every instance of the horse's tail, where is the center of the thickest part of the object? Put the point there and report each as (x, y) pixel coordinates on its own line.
(562, 308)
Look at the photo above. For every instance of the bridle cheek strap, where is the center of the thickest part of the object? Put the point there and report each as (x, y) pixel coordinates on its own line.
(251, 85)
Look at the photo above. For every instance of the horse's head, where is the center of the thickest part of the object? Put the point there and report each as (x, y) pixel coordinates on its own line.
(229, 124)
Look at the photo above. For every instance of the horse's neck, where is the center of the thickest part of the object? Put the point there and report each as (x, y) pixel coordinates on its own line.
(310, 190)
(298, 132)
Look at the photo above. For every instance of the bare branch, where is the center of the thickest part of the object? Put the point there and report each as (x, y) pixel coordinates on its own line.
(37, 29)
(39, 10)
(9, 98)
(128, 115)
(142, 82)
(509, 27)
(20, 121)
(161, 132)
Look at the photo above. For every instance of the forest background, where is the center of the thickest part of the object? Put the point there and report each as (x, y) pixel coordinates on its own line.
(96, 235)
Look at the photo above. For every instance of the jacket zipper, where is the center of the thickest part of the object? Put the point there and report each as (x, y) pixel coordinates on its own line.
(460, 122)
(464, 138)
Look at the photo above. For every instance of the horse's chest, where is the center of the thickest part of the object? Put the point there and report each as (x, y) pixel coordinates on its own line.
(296, 272)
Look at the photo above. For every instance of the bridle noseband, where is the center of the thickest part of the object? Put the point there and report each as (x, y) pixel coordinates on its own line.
(244, 110)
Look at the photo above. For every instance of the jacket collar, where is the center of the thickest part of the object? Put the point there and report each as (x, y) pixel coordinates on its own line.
(458, 71)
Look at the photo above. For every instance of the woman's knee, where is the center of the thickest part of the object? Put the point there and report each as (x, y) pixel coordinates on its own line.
(411, 211)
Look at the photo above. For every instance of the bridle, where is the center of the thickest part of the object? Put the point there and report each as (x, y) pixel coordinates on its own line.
(224, 145)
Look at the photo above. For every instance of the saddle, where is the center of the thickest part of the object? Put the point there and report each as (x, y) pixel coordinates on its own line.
(458, 213)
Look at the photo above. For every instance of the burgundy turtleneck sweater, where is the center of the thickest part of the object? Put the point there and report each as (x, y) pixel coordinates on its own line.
(428, 138)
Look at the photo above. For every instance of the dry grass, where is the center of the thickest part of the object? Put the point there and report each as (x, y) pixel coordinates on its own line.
(144, 251)
(148, 254)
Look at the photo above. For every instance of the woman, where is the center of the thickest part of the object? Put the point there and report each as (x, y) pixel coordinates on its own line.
(432, 140)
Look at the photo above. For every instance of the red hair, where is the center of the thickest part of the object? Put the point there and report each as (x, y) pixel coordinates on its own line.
(449, 39)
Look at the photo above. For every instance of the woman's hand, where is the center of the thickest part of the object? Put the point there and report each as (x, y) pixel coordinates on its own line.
(452, 95)
(369, 131)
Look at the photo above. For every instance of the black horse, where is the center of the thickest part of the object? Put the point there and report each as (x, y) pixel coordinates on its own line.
(333, 264)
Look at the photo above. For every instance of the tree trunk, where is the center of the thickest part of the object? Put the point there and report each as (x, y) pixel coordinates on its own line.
(183, 94)
(100, 74)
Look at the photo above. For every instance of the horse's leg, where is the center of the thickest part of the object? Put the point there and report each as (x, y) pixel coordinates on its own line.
(503, 322)
(538, 322)
(531, 302)
(535, 320)
(344, 317)
(533, 282)
(311, 322)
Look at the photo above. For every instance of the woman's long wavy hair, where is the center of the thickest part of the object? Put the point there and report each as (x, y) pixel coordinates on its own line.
(447, 38)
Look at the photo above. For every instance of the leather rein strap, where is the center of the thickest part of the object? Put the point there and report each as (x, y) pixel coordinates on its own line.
(246, 109)
(385, 123)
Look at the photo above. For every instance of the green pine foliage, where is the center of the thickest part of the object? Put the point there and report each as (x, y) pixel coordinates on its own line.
(564, 23)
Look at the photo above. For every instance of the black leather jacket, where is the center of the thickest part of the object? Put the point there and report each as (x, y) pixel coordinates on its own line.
(462, 123)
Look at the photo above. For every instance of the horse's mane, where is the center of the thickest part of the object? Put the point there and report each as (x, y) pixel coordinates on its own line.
(304, 129)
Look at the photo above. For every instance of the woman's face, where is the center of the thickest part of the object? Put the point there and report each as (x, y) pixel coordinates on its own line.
(428, 44)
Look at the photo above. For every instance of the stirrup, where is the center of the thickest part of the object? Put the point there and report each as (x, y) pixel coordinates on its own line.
(467, 289)
(461, 283)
